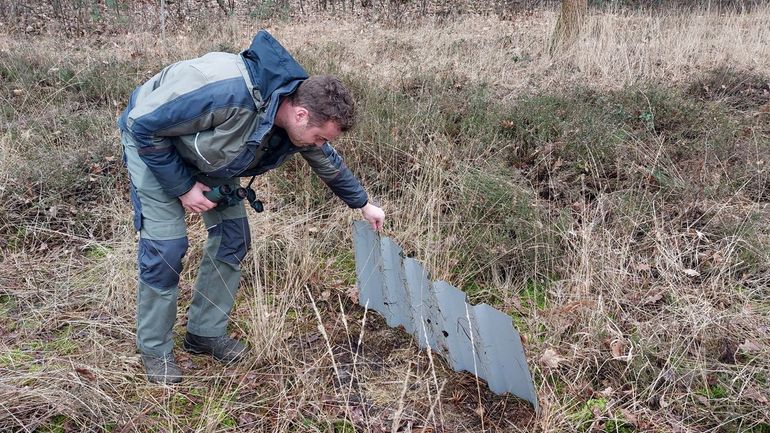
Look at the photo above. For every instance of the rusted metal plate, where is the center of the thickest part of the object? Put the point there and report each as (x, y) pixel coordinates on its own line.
(478, 339)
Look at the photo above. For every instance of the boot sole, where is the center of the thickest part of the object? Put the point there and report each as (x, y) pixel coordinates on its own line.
(195, 351)
(176, 380)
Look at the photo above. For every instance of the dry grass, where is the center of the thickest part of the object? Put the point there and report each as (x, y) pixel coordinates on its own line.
(641, 286)
(616, 50)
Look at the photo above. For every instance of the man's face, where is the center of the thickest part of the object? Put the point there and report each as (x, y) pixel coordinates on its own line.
(303, 134)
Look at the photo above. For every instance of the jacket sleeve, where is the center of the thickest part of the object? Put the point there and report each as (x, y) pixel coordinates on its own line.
(329, 166)
(181, 102)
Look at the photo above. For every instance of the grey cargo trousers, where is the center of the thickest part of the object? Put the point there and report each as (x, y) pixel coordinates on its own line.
(160, 220)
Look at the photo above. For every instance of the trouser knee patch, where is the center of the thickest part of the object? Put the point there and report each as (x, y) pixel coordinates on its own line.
(160, 262)
(235, 242)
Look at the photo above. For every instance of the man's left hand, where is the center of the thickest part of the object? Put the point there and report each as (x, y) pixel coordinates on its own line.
(374, 215)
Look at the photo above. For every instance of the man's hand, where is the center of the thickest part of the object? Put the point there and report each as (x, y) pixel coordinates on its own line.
(374, 215)
(194, 200)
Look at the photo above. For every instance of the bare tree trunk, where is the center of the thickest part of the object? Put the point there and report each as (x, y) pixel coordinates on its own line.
(568, 25)
(56, 6)
(222, 6)
(163, 20)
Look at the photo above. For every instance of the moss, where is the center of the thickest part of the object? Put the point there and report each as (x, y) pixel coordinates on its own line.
(585, 414)
(535, 292)
(343, 426)
(760, 428)
(345, 265)
(618, 425)
(56, 424)
(63, 344)
(714, 392)
(308, 425)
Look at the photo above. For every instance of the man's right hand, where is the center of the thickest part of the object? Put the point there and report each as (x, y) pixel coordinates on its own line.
(194, 200)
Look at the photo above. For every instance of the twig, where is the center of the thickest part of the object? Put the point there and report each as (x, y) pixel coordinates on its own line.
(358, 344)
(68, 235)
(322, 330)
(400, 411)
(432, 402)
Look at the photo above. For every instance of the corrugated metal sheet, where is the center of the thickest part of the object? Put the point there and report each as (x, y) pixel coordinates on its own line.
(478, 339)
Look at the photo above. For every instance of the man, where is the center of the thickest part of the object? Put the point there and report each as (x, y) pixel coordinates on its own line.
(200, 124)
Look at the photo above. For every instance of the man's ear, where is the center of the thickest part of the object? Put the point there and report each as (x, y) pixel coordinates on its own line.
(301, 115)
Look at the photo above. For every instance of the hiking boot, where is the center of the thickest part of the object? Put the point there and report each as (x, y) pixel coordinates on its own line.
(161, 369)
(223, 348)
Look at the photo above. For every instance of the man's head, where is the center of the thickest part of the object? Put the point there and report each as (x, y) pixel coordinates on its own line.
(318, 111)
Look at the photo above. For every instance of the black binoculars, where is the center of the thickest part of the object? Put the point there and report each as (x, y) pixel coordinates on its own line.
(226, 195)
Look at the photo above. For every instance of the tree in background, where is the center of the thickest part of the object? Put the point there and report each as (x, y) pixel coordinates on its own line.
(568, 25)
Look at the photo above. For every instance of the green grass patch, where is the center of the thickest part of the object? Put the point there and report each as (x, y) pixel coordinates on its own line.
(345, 267)
(343, 426)
(16, 359)
(201, 407)
(7, 303)
(535, 293)
(62, 343)
(585, 414)
(308, 424)
(760, 428)
(97, 252)
(618, 425)
(714, 392)
(56, 424)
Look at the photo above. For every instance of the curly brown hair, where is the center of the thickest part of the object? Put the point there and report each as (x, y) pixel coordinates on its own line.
(326, 98)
